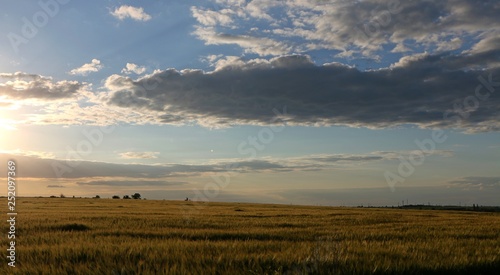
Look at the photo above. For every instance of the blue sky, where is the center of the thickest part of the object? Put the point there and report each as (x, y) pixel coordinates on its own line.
(293, 101)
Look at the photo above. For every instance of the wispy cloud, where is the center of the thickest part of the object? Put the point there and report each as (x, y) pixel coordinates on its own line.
(359, 28)
(134, 13)
(260, 45)
(139, 155)
(475, 182)
(37, 154)
(131, 183)
(36, 167)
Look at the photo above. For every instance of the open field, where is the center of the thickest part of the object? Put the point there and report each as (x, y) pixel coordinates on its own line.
(104, 236)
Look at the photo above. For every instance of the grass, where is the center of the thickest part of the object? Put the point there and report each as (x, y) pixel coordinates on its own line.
(89, 236)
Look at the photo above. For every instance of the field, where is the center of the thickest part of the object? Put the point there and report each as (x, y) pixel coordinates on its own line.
(104, 236)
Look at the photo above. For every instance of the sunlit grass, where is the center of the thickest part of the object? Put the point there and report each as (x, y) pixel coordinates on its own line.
(92, 236)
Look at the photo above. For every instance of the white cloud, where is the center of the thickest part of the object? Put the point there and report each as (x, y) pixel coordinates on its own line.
(133, 68)
(36, 154)
(213, 18)
(260, 45)
(359, 27)
(85, 69)
(259, 9)
(139, 155)
(137, 14)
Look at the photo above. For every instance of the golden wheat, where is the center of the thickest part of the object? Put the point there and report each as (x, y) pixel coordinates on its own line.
(104, 236)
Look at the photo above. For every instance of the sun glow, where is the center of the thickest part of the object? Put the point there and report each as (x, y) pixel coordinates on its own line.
(7, 124)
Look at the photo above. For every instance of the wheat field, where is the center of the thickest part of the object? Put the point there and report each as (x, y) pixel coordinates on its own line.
(105, 236)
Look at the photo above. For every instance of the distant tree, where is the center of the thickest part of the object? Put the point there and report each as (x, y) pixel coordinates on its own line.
(126, 197)
(136, 196)
(116, 197)
(97, 197)
(62, 196)
(53, 196)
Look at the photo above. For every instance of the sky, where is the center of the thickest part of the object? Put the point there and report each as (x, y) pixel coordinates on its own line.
(319, 102)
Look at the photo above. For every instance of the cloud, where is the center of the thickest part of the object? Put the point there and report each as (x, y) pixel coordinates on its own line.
(20, 75)
(89, 113)
(133, 68)
(319, 162)
(85, 69)
(425, 90)
(476, 182)
(213, 18)
(211, 59)
(260, 45)
(23, 86)
(135, 13)
(131, 183)
(451, 46)
(487, 44)
(74, 168)
(139, 155)
(360, 27)
(55, 186)
(37, 154)
(36, 167)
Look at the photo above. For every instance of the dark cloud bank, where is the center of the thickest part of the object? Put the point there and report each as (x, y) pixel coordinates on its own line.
(444, 90)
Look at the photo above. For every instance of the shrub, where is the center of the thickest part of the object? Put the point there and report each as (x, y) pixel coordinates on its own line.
(136, 196)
